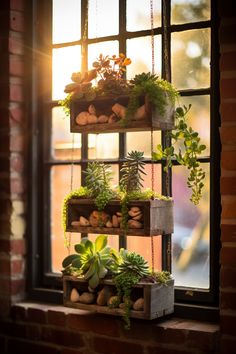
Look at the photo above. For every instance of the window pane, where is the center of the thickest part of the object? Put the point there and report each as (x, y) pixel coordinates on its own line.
(105, 48)
(143, 246)
(183, 11)
(141, 141)
(65, 61)
(103, 146)
(143, 63)
(199, 118)
(62, 139)
(191, 59)
(60, 187)
(103, 18)
(147, 183)
(66, 21)
(191, 238)
(139, 14)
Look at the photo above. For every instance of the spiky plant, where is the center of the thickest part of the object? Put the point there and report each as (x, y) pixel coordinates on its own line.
(98, 179)
(133, 263)
(132, 171)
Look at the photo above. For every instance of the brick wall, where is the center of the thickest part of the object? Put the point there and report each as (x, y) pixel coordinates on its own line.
(50, 329)
(12, 223)
(227, 36)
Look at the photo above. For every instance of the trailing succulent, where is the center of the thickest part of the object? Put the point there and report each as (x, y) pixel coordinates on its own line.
(189, 148)
(132, 268)
(92, 260)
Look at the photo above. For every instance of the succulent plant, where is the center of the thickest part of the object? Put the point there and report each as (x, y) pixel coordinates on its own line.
(93, 259)
(133, 262)
(132, 171)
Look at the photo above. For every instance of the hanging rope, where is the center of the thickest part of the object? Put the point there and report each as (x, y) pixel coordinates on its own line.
(153, 72)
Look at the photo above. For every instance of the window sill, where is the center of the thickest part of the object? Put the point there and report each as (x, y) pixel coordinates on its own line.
(171, 333)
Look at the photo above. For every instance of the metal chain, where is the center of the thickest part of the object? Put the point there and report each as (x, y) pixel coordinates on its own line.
(152, 163)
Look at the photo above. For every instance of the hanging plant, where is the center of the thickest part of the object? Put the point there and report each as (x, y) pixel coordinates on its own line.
(189, 149)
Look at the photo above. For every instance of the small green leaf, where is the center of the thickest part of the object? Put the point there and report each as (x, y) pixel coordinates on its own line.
(77, 262)
(94, 281)
(68, 260)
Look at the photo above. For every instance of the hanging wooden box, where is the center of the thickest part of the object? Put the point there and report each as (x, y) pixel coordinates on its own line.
(103, 106)
(157, 217)
(158, 298)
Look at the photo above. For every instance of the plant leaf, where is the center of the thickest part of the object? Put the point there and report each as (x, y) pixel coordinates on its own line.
(100, 242)
(94, 281)
(68, 260)
(80, 248)
(77, 262)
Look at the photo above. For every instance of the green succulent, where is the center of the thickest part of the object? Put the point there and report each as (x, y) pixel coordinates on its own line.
(93, 259)
(98, 179)
(132, 171)
(133, 262)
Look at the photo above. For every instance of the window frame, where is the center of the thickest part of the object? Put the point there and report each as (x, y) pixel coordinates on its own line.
(44, 285)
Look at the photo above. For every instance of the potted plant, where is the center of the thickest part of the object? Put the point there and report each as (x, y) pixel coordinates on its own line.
(99, 279)
(101, 100)
(96, 208)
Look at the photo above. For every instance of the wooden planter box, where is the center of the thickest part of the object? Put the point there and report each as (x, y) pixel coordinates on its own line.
(103, 105)
(158, 298)
(157, 217)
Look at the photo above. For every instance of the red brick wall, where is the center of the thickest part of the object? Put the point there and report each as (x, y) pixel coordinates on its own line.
(45, 329)
(227, 35)
(12, 206)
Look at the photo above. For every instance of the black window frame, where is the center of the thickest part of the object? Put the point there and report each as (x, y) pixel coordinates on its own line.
(44, 285)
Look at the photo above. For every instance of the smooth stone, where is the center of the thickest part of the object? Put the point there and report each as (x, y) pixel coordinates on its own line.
(103, 118)
(139, 304)
(113, 301)
(115, 222)
(92, 109)
(82, 118)
(83, 221)
(74, 295)
(87, 298)
(92, 119)
(134, 224)
(104, 296)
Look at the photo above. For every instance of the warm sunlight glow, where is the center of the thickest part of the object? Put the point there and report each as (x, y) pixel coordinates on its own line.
(65, 61)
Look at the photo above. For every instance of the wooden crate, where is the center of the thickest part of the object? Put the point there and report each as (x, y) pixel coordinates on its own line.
(158, 298)
(157, 217)
(103, 106)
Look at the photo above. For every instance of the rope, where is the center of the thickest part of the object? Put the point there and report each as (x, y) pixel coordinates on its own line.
(152, 162)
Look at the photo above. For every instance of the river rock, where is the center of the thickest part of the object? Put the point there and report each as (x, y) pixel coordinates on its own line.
(92, 109)
(75, 223)
(74, 295)
(113, 301)
(104, 296)
(82, 118)
(102, 118)
(134, 224)
(109, 223)
(139, 304)
(115, 222)
(92, 119)
(87, 298)
(83, 221)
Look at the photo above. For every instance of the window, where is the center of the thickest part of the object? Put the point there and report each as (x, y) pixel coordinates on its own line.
(70, 36)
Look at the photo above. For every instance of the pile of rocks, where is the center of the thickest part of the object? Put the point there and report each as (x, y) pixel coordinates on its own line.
(92, 116)
(103, 219)
(104, 297)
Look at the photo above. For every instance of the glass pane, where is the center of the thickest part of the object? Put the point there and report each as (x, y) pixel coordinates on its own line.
(139, 14)
(191, 59)
(62, 139)
(105, 48)
(103, 18)
(143, 63)
(143, 246)
(141, 141)
(189, 11)
(103, 146)
(199, 118)
(65, 61)
(191, 236)
(66, 21)
(60, 187)
(147, 183)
